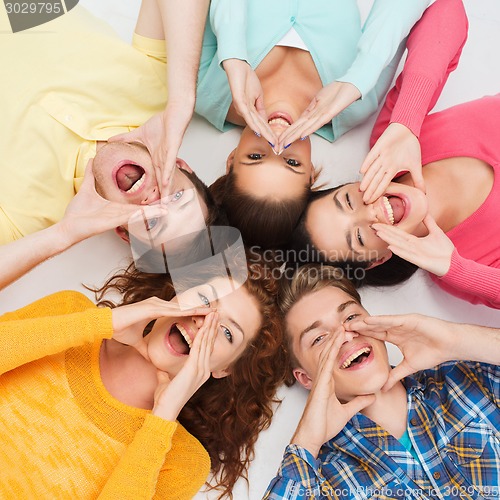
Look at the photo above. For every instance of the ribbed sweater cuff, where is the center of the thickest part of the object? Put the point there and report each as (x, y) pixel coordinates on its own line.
(474, 278)
(413, 101)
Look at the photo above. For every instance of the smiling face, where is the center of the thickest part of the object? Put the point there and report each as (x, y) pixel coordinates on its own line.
(340, 222)
(239, 322)
(362, 365)
(261, 173)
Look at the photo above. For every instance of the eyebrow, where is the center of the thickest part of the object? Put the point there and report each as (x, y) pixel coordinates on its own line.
(259, 162)
(348, 236)
(341, 308)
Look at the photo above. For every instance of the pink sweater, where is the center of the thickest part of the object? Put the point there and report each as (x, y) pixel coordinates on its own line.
(472, 130)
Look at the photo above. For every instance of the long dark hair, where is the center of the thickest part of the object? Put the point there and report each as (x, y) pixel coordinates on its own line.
(392, 272)
(227, 414)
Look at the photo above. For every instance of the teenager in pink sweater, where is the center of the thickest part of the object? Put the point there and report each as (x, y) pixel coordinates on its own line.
(387, 229)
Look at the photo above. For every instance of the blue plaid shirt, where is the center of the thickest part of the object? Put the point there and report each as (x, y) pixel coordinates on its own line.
(454, 426)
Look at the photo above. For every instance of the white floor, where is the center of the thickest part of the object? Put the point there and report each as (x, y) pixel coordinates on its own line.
(205, 149)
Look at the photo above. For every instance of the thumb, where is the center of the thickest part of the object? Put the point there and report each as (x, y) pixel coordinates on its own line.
(418, 180)
(133, 135)
(431, 224)
(397, 373)
(162, 377)
(259, 106)
(358, 403)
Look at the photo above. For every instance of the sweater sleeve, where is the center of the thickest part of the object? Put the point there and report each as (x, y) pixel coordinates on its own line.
(51, 325)
(388, 23)
(228, 19)
(473, 278)
(434, 48)
(154, 465)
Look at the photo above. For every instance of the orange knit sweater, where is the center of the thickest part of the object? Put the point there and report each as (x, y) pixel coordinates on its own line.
(63, 434)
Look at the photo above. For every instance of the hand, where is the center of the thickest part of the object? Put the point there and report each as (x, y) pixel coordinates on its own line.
(396, 150)
(432, 252)
(129, 321)
(162, 135)
(324, 415)
(424, 341)
(327, 104)
(172, 394)
(248, 98)
(89, 214)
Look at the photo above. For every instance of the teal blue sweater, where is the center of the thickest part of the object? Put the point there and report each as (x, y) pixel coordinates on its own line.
(342, 49)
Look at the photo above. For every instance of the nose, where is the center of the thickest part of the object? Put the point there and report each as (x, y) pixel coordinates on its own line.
(197, 322)
(349, 336)
(151, 197)
(370, 213)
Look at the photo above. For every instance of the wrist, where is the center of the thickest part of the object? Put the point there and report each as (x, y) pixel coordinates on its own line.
(299, 439)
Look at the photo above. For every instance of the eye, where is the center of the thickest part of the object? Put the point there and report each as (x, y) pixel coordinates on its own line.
(227, 333)
(292, 162)
(348, 201)
(351, 317)
(318, 339)
(255, 156)
(151, 223)
(204, 299)
(177, 196)
(359, 238)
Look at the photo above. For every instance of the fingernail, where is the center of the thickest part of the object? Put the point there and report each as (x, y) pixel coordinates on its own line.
(288, 145)
(257, 134)
(270, 143)
(304, 138)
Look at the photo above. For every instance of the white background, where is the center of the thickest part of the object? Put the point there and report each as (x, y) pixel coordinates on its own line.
(205, 149)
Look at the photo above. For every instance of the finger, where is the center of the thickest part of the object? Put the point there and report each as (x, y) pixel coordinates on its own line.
(398, 373)
(372, 155)
(260, 125)
(381, 188)
(162, 377)
(392, 234)
(418, 179)
(358, 403)
(376, 178)
(133, 135)
(431, 224)
(293, 133)
(329, 355)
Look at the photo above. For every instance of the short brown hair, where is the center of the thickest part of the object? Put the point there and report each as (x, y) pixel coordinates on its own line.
(308, 279)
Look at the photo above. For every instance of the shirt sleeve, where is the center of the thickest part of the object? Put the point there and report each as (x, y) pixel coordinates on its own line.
(299, 477)
(51, 325)
(228, 19)
(473, 278)
(144, 473)
(388, 23)
(151, 47)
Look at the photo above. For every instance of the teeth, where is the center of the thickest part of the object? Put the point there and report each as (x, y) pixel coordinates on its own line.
(280, 121)
(388, 207)
(353, 356)
(187, 338)
(137, 185)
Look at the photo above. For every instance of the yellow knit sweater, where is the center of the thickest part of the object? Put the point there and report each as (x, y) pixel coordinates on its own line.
(63, 435)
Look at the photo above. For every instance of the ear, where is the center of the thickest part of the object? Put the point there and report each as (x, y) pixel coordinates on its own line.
(383, 259)
(183, 165)
(220, 373)
(303, 378)
(230, 160)
(313, 177)
(122, 233)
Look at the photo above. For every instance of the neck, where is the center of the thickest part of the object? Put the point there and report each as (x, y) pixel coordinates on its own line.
(389, 410)
(127, 375)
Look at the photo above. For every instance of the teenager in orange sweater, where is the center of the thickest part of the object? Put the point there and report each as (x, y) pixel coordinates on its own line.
(90, 408)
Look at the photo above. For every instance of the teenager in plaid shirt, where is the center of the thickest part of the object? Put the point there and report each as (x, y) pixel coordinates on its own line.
(428, 428)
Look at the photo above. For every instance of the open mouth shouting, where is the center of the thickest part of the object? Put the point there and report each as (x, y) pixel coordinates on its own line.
(356, 358)
(178, 340)
(281, 119)
(395, 208)
(130, 177)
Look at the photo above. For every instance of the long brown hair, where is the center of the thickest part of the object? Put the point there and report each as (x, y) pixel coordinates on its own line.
(226, 414)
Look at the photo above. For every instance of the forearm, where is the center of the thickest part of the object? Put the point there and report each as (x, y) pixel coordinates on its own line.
(474, 343)
(183, 24)
(19, 257)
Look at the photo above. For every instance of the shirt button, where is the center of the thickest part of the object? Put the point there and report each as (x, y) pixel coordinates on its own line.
(292, 19)
(413, 421)
(436, 475)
